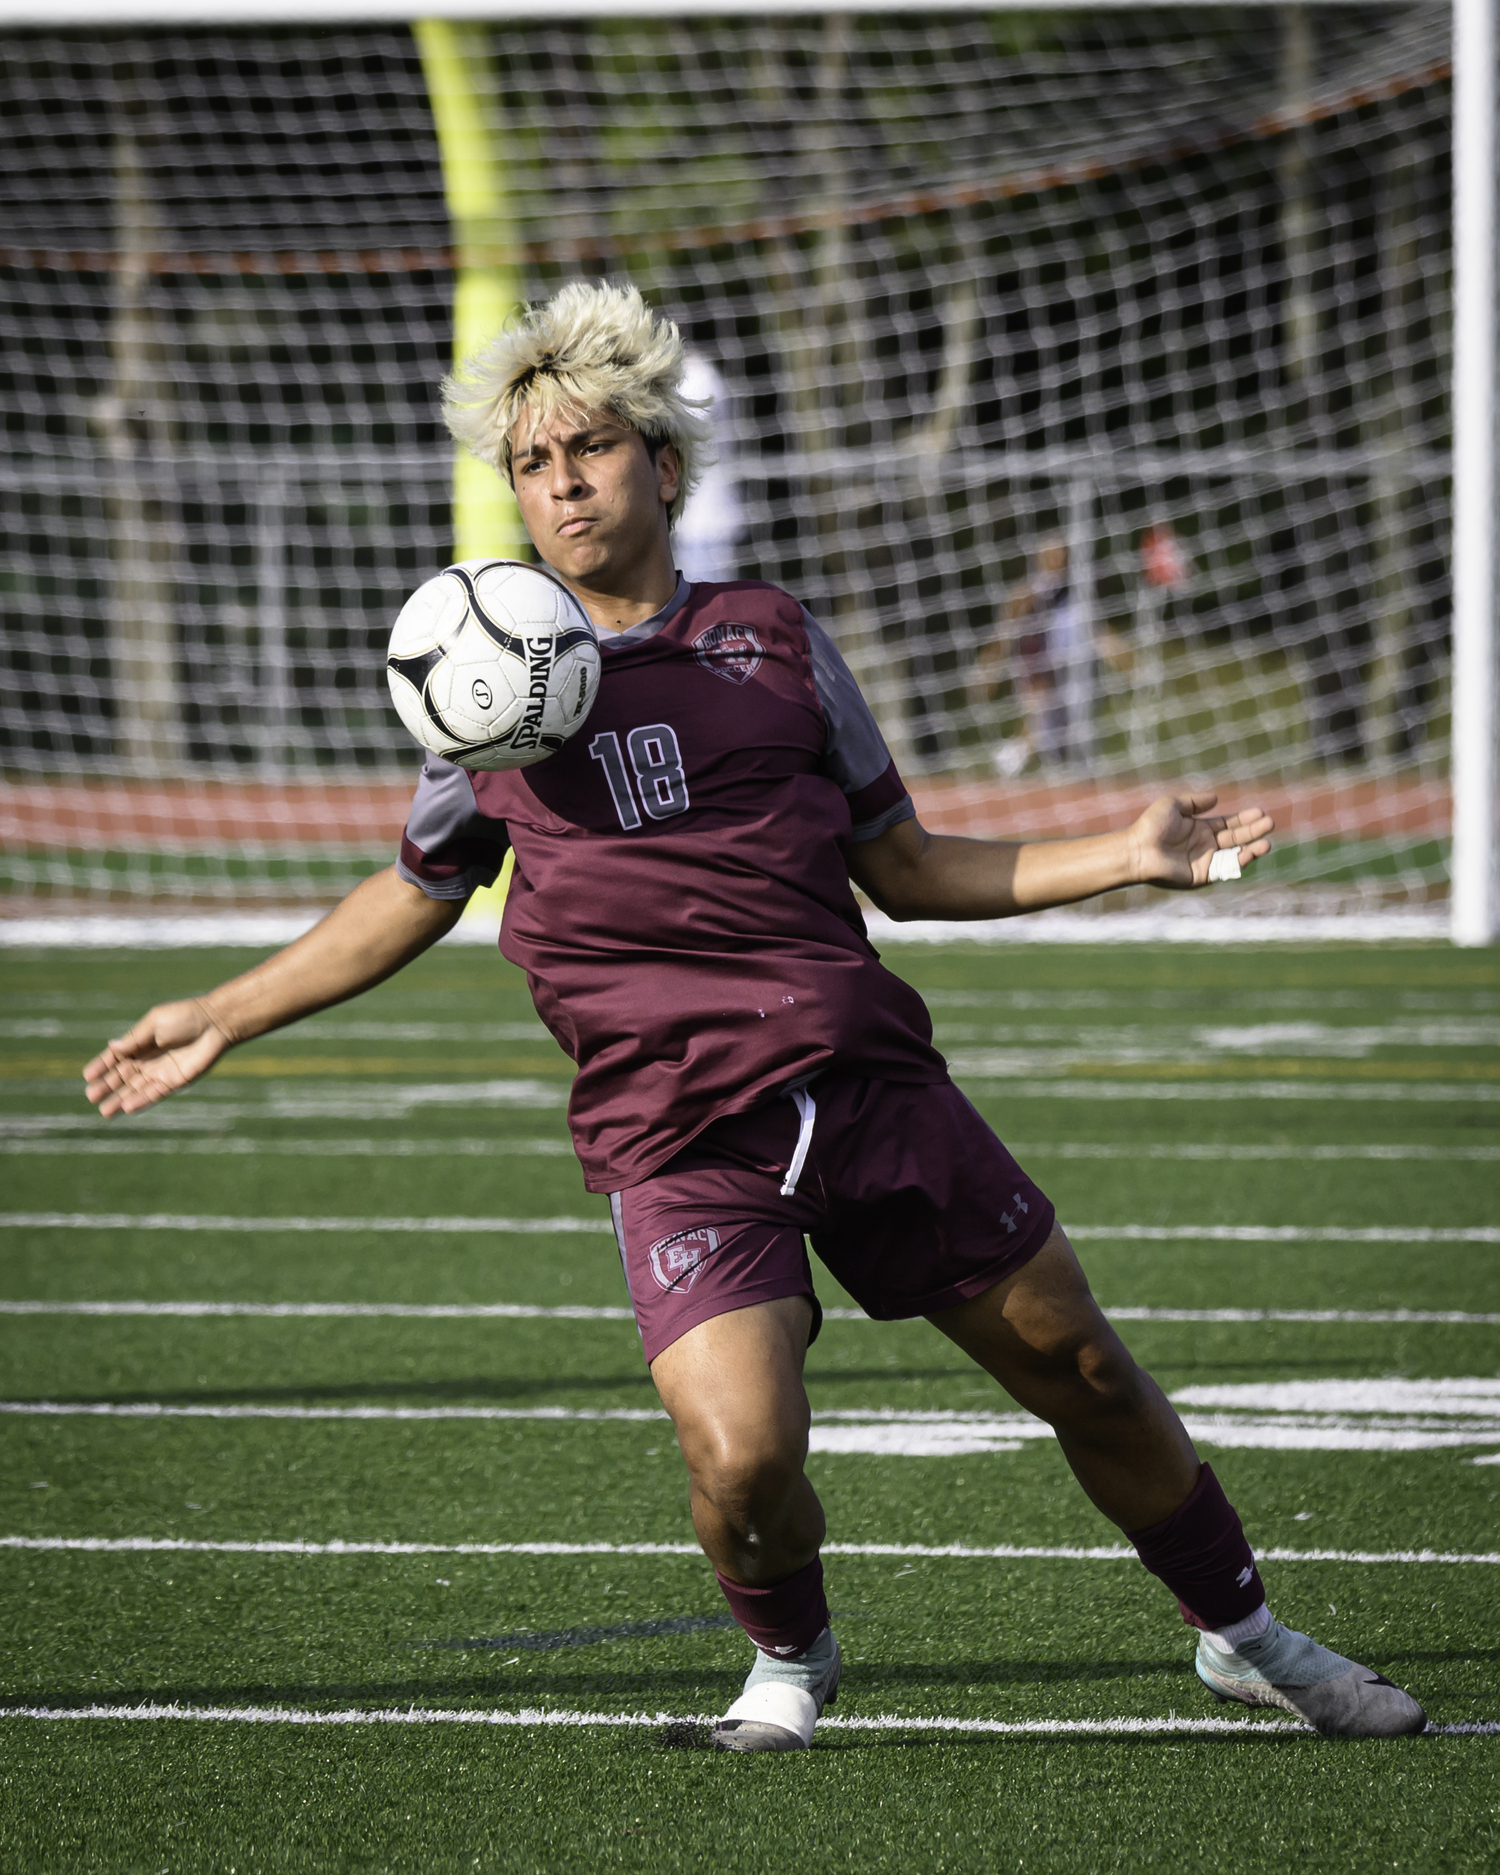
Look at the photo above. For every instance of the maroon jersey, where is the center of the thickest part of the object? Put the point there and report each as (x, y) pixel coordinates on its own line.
(681, 901)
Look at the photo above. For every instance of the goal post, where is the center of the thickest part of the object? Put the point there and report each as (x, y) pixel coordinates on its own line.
(1476, 228)
(1116, 382)
(461, 89)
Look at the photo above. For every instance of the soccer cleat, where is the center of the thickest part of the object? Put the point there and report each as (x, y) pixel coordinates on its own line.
(783, 1700)
(1337, 1697)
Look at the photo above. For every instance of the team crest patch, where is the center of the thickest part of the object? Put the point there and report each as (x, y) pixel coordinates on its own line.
(730, 650)
(676, 1261)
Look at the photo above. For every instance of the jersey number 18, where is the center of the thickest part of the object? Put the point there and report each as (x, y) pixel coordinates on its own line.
(659, 780)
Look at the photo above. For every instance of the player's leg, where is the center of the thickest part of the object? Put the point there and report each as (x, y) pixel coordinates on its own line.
(1040, 1333)
(714, 1256)
(733, 1387)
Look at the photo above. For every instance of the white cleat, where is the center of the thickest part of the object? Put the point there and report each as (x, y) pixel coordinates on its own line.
(1337, 1697)
(783, 1700)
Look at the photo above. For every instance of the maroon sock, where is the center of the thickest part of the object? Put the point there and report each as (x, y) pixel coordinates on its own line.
(786, 1618)
(1201, 1554)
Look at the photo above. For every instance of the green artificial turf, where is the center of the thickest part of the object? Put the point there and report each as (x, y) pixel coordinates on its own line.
(439, 1095)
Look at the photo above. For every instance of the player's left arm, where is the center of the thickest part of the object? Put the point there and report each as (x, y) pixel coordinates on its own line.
(911, 873)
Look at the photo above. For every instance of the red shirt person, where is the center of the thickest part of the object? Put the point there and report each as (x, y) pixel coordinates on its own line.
(749, 1073)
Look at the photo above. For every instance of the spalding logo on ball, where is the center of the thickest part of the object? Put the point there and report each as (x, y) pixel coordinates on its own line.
(493, 664)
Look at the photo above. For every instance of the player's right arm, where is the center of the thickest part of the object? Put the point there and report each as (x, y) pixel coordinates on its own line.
(381, 926)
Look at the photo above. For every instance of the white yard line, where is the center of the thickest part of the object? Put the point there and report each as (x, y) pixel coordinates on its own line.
(934, 1552)
(362, 1101)
(28, 1142)
(1439, 1416)
(1213, 1151)
(326, 1029)
(986, 1045)
(1188, 925)
(1252, 1003)
(296, 1148)
(1211, 1089)
(577, 1312)
(420, 1311)
(1413, 1316)
(1135, 1233)
(171, 1220)
(1050, 1044)
(542, 1718)
(155, 1409)
(1284, 1233)
(207, 1110)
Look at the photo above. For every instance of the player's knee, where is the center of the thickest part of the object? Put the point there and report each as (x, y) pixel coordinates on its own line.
(1105, 1367)
(747, 1473)
(1093, 1371)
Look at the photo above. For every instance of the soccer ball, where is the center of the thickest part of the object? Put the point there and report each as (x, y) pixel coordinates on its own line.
(493, 664)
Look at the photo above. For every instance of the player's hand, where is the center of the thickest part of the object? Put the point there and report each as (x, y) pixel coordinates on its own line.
(1175, 840)
(168, 1049)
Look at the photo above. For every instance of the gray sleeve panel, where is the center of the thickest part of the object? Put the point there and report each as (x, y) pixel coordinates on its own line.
(856, 754)
(462, 886)
(443, 808)
(905, 809)
(463, 848)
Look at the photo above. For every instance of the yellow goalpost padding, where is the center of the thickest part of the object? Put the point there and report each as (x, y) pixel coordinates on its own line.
(461, 88)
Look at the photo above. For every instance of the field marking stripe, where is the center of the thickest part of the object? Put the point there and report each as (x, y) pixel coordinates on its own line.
(1127, 1233)
(1283, 1233)
(937, 1552)
(421, 1311)
(579, 1312)
(894, 1434)
(1431, 1316)
(1216, 1151)
(156, 1409)
(169, 1220)
(1301, 1429)
(987, 1087)
(535, 1717)
(34, 1136)
(393, 1099)
(240, 1147)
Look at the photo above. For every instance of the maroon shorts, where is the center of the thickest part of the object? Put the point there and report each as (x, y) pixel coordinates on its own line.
(909, 1198)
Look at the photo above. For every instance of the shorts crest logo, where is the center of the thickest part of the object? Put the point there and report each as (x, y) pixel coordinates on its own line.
(676, 1261)
(730, 650)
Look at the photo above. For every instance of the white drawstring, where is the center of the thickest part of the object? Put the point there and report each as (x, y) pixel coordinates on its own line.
(807, 1112)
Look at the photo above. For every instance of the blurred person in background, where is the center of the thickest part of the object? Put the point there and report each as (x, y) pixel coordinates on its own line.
(707, 536)
(1043, 644)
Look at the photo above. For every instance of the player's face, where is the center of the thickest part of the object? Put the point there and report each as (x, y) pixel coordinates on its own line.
(593, 501)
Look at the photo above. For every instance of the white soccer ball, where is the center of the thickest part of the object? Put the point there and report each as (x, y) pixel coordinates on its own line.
(493, 664)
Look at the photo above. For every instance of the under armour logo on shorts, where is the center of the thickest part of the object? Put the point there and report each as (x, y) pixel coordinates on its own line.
(1008, 1218)
(676, 1261)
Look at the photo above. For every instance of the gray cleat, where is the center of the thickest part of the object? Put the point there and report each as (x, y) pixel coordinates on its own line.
(1337, 1697)
(783, 1700)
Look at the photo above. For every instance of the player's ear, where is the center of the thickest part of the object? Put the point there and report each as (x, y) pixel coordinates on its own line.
(668, 473)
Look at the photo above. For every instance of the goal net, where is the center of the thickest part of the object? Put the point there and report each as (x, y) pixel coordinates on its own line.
(1087, 373)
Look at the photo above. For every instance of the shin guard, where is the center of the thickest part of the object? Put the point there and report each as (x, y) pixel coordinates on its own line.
(1200, 1553)
(785, 1619)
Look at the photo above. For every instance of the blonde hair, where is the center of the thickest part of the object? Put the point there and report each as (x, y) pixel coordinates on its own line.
(591, 347)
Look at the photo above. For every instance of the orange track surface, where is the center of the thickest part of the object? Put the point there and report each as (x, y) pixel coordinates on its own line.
(1303, 810)
(208, 816)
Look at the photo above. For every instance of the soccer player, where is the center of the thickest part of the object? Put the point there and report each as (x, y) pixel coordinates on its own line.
(748, 1072)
